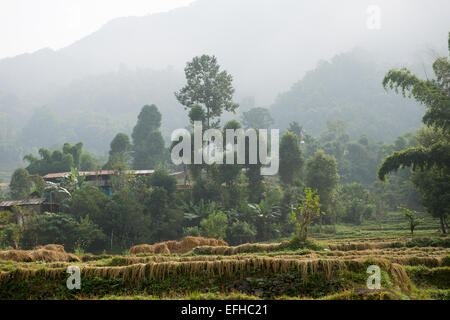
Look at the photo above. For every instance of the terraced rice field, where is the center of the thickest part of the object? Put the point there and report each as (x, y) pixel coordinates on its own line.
(338, 270)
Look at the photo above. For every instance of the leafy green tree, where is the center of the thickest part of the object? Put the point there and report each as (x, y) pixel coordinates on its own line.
(433, 183)
(38, 182)
(291, 160)
(165, 222)
(215, 226)
(322, 175)
(205, 188)
(75, 151)
(89, 201)
(194, 213)
(126, 224)
(161, 178)
(227, 173)
(355, 203)
(413, 220)
(120, 150)
(21, 184)
(430, 159)
(148, 143)
(258, 118)
(266, 214)
(304, 211)
(62, 229)
(88, 163)
(242, 232)
(207, 87)
(50, 162)
(434, 94)
(197, 114)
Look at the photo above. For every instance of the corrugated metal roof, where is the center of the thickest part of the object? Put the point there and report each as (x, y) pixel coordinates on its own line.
(26, 202)
(95, 173)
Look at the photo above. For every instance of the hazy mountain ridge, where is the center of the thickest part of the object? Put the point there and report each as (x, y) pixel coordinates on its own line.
(106, 77)
(348, 87)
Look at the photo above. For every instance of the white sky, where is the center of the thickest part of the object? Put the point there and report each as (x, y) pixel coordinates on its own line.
(30, 25)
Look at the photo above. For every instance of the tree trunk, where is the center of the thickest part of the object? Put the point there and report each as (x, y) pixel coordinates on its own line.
(441, 218)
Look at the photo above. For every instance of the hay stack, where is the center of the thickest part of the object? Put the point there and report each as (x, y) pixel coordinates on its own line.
(190, 243)
(47, 253)
(161, 248)
(141, 248)
(52, 247)
(15, 255)
(184, 246)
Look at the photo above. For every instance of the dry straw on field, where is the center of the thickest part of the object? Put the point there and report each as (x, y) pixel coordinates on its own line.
(346, 246)
(244, 248)
(46, 253)
(52, 247)
(184, 246)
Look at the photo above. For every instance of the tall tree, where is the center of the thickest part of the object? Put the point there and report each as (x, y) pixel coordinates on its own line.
(207, 87)
(431, 159)
(75, 151)
(291, 160)
(20, 184)
(148, 143)
(120, 150)
(435, 95)
(322, 175)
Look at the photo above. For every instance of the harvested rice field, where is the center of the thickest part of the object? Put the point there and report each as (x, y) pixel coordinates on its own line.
(204, 269)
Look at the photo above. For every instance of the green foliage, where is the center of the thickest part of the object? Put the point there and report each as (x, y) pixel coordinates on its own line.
(291, 160)
(258, 118)
(126, 223)
(161, 178)
(148, 143)
(207, 87)
(215, 225)
(56, 161)
(197, 114)
(198, 211)
(437, 277)
(192, 231)
(61, 229)
(120, 150)
(429, 242)
(354, 203)
(207, 189)
(242, 232)
(413, 220)
(20, 184)
(88, 163)
(304, 211)
(89, 201)
(434, 95)
(75, 151)
(322, 175)
(266, 216)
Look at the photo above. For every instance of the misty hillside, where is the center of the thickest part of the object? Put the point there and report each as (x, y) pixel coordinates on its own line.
(95, 87)
(263, 43)
(348, 87)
